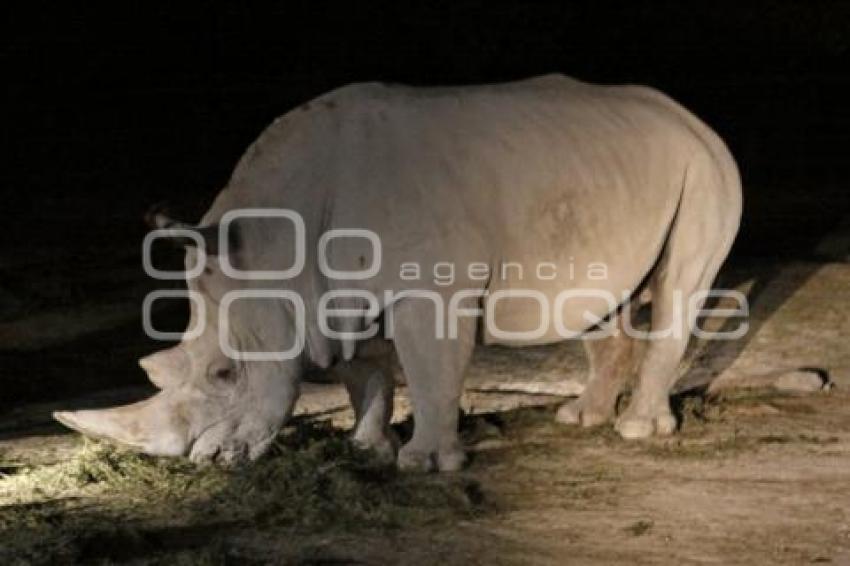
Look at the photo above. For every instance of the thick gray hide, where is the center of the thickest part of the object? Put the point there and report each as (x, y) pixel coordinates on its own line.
(550, 184)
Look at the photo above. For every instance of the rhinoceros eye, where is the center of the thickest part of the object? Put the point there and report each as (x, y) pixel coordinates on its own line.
(225, 374)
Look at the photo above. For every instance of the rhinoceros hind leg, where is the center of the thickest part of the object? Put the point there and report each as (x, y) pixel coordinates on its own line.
(434, 369)
(696, 247)
(649, 410)
(611, 362)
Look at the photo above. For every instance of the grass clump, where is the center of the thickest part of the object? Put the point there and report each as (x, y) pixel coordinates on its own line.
(104, 502)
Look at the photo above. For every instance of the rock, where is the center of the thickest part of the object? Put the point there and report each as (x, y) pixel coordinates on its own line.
(563, 388)
(801, 380)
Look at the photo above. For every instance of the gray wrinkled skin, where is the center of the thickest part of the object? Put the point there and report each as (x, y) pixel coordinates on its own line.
(544, 170)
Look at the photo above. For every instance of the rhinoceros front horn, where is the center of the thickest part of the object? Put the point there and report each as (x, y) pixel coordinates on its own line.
(152, 426)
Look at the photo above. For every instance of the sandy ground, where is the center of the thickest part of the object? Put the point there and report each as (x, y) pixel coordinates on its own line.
(754, 476)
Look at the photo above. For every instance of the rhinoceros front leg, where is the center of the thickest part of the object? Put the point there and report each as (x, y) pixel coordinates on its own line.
(370, 387)
(434, 369)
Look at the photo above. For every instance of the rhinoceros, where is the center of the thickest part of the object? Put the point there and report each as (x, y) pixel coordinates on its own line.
(544, 198)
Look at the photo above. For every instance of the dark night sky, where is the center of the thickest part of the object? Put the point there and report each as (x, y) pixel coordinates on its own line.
(112, 108)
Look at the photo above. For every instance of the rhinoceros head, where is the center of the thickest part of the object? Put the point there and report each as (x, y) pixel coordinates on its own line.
(209, 406)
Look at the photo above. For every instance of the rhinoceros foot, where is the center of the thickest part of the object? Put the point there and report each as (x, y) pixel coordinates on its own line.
(635, 427)
(383, 445)
(412, 458)
(577, 412)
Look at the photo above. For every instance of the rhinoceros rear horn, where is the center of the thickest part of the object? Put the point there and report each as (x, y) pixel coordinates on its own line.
(157, 219)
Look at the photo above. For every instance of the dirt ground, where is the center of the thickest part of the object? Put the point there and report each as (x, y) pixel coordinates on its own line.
(754, 476)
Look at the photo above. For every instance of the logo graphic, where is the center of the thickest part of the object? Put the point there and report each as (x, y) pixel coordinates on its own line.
(350, 313)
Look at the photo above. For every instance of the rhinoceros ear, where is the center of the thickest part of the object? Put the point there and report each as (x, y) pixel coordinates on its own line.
(157, 219)
(167, 367)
